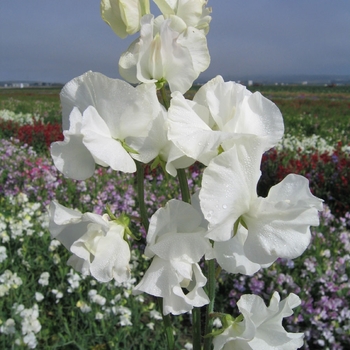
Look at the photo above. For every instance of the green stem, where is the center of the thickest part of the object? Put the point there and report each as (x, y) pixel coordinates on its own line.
(141, 194)
(185, 192)
(168, 328)
(163, 93)
(196, 312)
(210, 306)
(144, 219)
(196, 332)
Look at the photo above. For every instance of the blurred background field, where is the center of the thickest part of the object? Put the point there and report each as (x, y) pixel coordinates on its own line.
(44, 304)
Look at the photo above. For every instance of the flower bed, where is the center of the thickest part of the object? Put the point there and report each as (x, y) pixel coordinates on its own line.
(37, 287)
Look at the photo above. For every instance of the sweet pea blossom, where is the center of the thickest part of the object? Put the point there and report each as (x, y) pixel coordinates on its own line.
(278, 225)
(167, 50)
(231, 257)
(192, 12)
(97, 244)
(261, 328)
(221, 115)
(100, 116)
(124, 16)
(176, 242)
(158, 148)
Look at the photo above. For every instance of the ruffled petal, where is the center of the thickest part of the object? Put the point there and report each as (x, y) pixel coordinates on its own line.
(279, 225)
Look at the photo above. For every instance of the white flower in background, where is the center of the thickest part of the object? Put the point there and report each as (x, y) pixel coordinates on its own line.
(30, 324)
(156, 315)
(177, 242)
(124, 16)
(39, 297)
(44, 279)
(192, 12)
(56, 259)
(8, 327)
(9, 280)
(3, 255)
(261, 327)
(167, 50)
(73, 280)
(96, 298)
(54, 244)
(84, 307)
(188, 346)
(58, 294)
(99, 115)
(99, 316)
(278, 225)
(222, 114)
(98, 245)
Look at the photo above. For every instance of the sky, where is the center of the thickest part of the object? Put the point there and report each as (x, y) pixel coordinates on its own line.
(57, 40)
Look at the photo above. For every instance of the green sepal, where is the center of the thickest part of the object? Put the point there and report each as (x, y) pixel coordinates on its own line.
(160, 83)
(239, 221)
(158, 161)
(109, 212)
(128, 148)
(227, 321)
(122, 220)
(220, 150)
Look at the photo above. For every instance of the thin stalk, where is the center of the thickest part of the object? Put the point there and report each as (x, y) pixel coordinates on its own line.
(196, 331)
(168, 328)
(196, 312)
(141, 195)
(210, 306)
(163, 93)
(185, 192)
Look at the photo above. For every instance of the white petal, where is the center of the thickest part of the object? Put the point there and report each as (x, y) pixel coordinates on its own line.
(112, 257)
(231, 257)
(279, 225)
(189, 247)
(70, 156)
(60, 217)
(228, 187)
(270, 333)
(158, 279)
(190, 133)
(176, 216)
(196, 297)
(115, 101)
(105, 149)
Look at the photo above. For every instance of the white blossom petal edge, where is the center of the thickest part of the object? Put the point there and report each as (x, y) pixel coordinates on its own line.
(97, 244)
(261, 328)
(278, 225)
(176, 242)
(111, 112)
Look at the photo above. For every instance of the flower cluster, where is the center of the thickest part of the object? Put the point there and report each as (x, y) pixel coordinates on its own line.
(110, 123)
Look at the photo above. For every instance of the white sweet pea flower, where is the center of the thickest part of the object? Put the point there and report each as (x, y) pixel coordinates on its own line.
(176, 242)
(231, 257)
(98, 245)
(158, 148)
(167, 50)
(278, 225)
(124, 16)
(220, 115)
(261, 328)
(99, 117)
(169, 280)
(192, 12)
